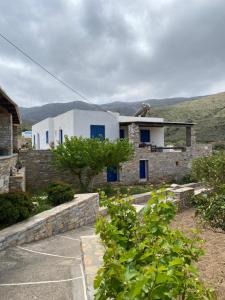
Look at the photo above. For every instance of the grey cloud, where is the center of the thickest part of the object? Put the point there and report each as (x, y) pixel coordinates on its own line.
(112, 50)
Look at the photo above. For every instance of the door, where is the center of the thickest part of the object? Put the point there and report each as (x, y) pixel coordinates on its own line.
(122, 133)
(143, 169)
(98, 132)
(112, 174)
(145, 135)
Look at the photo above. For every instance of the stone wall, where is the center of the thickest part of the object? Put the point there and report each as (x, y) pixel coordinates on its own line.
(163, 166)
(6, 134)
(79, 212)
(17, 181)
(40, 170)
(6, 163)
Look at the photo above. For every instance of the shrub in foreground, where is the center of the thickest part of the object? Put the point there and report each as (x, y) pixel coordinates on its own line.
(144, 258)
(14, 207)
(59, 193)
(210, 206)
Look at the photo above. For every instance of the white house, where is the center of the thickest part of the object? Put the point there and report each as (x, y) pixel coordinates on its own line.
(92, 124)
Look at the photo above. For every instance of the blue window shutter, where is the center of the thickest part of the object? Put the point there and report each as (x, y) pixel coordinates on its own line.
(145, 135)
(60, 136)
(98, 132)
(112, 174)
(47, 137)
(122, 133)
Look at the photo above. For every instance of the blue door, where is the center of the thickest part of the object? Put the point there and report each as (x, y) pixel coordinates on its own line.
(98, 132)
(112, 174)
(143, 169)
(145, 135)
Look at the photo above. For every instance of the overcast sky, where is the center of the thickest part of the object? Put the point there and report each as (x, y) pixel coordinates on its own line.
(112, 50)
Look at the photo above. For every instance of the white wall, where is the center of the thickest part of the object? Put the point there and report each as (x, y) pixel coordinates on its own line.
(66, 123)
(156, 135)
(40, 129)
(84, 119)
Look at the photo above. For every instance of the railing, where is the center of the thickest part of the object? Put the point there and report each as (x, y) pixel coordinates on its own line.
(154, 148)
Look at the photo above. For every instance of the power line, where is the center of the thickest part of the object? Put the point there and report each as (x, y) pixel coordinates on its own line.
(43, 68)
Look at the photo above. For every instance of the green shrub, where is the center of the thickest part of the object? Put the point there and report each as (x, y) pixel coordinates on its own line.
(14, 207)
(210, 206)
(210, 170)
(59, 193)
(144, 258)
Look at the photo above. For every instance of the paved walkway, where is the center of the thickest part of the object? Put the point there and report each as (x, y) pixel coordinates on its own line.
(50, 269)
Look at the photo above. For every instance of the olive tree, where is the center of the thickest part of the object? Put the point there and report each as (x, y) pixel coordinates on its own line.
(86, 158)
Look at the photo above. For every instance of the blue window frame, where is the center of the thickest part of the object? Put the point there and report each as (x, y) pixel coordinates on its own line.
(60, 136)
(47, 137)
(143, 169)
(145, 135)
(122, 133)
(98, 132)
(112, 174)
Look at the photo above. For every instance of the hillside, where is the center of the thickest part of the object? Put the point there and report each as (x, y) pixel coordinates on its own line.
(208, 112)
(33, 115)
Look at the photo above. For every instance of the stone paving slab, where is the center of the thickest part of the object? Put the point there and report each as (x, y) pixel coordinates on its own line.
(92, 259)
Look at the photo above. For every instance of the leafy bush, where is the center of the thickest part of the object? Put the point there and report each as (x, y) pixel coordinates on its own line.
(14, 207)
(210, 206)
(59, 193)
(144, 257)
(210, 170)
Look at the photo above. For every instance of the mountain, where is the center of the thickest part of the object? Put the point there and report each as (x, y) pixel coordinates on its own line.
(208, 112)
(33, 115)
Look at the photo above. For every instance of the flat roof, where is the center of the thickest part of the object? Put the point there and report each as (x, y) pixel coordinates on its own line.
(10, 106)
(160, 124)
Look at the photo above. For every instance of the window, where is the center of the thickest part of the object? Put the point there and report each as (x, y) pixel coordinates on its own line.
(60, 136)
(47, 137)
(112, 174)
(145, 135)
(122, 133)
(98, 132)
(34, 139)
(143, 169)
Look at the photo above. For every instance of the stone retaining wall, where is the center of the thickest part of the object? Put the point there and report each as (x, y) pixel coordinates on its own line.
(81, 211)
(163, 166)
(40, 170)
(6, 163)
(17, 181)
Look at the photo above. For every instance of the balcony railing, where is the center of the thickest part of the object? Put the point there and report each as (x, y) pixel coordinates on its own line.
(154, 148)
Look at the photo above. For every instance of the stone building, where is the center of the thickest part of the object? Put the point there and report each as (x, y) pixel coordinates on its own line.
(9, 123)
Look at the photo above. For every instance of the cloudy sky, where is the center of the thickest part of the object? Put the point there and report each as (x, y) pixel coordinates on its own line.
(112, 50)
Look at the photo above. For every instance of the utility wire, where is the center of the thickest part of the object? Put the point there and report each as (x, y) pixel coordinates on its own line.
(46, 70)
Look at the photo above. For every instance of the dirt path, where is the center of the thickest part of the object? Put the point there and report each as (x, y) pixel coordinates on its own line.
(212, 264)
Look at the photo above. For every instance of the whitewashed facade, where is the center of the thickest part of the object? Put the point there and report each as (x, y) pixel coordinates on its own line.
(52, 131)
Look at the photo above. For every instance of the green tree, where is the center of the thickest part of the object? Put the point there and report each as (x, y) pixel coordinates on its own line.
(144, 258)
(86, 158)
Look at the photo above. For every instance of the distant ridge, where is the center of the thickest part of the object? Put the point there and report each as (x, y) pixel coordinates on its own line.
(33, 115)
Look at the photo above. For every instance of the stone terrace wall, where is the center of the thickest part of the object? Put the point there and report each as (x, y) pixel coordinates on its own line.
(163, 166)
(40, 170)
(81, 211)
(6, 162)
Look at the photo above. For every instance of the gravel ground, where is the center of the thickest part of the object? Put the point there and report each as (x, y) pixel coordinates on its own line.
(212, 264)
